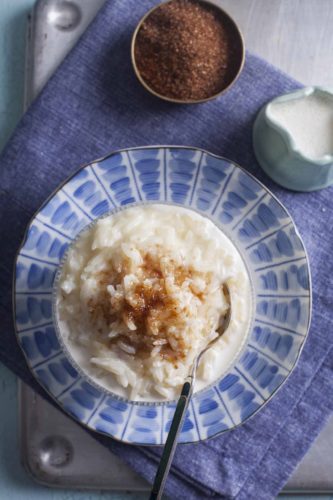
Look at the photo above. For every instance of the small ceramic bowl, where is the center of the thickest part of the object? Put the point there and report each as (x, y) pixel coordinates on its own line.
(278, 155)
(238, 42)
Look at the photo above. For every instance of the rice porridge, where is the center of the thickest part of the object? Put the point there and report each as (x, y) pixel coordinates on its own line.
(141, 293)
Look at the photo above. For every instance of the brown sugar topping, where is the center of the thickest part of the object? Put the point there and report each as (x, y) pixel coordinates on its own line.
(149, 307)
(187, 49)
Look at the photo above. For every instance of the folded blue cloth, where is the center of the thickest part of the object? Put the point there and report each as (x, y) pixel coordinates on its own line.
(94, 105)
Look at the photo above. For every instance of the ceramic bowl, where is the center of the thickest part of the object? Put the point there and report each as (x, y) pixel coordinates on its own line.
(238, 43)
(256, 222)
(278, 155)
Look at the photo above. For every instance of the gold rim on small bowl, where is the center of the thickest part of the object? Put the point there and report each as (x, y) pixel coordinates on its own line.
(236, 32)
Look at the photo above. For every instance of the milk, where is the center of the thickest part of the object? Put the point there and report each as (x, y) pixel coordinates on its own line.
(309, 121)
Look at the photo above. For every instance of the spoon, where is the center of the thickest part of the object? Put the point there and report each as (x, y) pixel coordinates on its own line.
(178, 418)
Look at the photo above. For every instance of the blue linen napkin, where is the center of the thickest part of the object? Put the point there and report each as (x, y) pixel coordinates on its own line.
(94, 105)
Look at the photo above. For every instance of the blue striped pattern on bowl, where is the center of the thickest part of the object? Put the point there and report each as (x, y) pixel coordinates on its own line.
(248, 213)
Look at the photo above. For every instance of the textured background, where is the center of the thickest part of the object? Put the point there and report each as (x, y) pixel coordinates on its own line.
(14, 483)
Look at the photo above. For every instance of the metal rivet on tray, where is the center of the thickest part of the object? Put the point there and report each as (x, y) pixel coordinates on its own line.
(55, 451)
(64, 15)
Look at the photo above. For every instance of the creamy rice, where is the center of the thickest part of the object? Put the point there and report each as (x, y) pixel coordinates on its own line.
(141, 293)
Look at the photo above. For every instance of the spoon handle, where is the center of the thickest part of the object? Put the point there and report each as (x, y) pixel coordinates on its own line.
(171, 442)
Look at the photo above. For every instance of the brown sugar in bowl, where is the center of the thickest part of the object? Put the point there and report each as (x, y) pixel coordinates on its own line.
(187, 51)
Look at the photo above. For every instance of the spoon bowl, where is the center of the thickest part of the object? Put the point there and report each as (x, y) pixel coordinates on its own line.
(223, 328)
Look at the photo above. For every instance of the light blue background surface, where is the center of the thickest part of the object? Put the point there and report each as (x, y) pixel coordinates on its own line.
(13, 18)
(14, 481)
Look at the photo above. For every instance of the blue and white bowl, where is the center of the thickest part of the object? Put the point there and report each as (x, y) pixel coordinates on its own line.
(248, 214)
